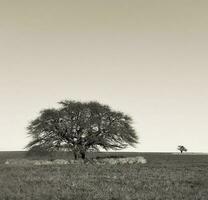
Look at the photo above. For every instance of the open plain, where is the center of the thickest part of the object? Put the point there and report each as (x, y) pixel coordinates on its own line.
(165, 176)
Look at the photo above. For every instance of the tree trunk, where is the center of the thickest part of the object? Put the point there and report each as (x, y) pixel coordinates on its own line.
(181, 151)
(83, 155)
(75, 155)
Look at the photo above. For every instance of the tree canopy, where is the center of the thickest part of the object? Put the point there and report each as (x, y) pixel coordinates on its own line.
(81, 127)
(181, 148)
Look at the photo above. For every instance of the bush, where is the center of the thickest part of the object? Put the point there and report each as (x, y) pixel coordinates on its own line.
(37, 152)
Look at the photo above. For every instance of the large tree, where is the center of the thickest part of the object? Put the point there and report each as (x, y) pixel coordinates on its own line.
(81, 127)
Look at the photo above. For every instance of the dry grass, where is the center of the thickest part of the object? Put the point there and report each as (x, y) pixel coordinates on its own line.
(165, 177)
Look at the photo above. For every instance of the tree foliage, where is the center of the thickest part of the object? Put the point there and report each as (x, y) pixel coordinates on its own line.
(181, 148)
(81, 127)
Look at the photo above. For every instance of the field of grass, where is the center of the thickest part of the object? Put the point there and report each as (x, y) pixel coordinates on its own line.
(164, 177)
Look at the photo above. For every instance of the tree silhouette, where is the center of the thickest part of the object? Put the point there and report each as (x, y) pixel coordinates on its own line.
(181, 148)
(81, 127)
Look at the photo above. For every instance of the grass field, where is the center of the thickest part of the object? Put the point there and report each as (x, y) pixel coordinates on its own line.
(165, 176)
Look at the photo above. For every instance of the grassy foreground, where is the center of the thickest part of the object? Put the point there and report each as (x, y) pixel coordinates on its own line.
(165, 177)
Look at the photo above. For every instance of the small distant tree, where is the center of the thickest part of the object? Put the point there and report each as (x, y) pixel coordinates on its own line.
(81, 127)
(181, 148)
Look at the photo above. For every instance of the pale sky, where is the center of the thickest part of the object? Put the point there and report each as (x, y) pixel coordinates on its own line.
(147, 58)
